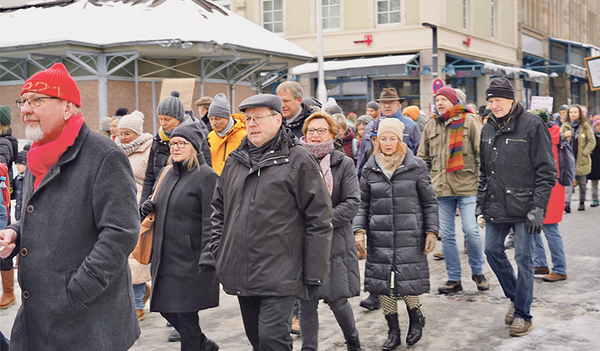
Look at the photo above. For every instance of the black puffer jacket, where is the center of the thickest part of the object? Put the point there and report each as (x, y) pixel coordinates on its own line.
(180, 244)
(159, 154)
(272, 227)
(396, 213)
(518, 169)
(344, 276)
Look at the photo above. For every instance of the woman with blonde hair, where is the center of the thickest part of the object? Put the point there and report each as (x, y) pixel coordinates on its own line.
(399, 212)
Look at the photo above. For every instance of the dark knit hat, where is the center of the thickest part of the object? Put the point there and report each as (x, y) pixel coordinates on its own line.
(449, 93)
(171, 106)
(5, 115)
(122, 111)
(563, 108)
(335, 109)
(542, 113)
(22, 157)
(261, 100)
(54, 81)
(373, 104)
(191, 131)
(500, 87)
(375, 126)
(219, 107)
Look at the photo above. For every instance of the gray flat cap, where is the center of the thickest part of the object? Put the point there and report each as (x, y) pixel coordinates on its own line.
(261, 100)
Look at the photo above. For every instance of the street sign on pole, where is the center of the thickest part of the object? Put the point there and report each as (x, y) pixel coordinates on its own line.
(437, 85)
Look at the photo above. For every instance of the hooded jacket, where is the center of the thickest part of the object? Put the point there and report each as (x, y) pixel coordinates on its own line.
(221, 147)
(397, 212)
(271, 222)
(517, 168)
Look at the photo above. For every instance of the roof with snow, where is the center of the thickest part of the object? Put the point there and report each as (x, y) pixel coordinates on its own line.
(204, 26)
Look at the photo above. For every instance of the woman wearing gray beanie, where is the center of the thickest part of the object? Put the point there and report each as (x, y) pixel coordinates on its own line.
(171, 113)
(184, 280)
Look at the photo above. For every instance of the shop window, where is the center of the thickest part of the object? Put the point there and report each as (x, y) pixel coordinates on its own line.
(272, 12)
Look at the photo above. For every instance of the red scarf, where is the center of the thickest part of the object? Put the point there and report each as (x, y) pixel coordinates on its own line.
(42, 157)
(455, 153)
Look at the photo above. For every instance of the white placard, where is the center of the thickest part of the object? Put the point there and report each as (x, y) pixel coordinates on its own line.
(544, 102)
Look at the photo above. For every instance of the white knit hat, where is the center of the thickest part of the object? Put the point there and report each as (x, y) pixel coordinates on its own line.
(133, 121)
(391, 125)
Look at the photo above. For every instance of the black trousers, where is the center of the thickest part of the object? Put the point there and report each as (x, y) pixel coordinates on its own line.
(268, 321)
(188, 326)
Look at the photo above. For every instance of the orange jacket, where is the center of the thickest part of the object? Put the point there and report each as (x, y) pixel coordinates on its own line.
(221, 147)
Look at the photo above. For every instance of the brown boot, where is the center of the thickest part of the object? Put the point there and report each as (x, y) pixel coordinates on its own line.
(8, 284)
(141, 315)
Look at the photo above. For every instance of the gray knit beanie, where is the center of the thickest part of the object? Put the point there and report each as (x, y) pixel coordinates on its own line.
(192, 132)
(219, 107)
(373, 104)
(172, 107)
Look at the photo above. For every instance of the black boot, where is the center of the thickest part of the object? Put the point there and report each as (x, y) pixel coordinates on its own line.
(353, 344)
(393, 339)
(567, 207)
(581, 206)
(209, 345)
(371, 303)
(415, 329)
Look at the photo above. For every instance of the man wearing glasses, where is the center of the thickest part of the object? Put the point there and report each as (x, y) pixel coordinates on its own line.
(271, 224)
(73, 272)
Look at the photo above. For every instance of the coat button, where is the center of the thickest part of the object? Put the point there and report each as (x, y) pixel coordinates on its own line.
(30, 208)
(24, 252)
(26, 294)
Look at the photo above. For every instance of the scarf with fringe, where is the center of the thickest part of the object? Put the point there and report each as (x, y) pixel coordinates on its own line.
(455, 159)
(132, 147)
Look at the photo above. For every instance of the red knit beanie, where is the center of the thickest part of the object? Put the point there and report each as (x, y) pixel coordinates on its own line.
(54, 81)
(449, 93)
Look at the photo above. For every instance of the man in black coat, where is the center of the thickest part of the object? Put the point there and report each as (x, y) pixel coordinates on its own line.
(293, 109)
(73, 271)
(272, 231)
(518, 172)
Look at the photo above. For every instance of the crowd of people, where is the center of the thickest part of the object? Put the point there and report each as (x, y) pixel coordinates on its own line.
(383, 186)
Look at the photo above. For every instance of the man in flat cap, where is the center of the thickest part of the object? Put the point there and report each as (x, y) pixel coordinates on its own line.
(272, 227)
(517, 174)
(73, 272)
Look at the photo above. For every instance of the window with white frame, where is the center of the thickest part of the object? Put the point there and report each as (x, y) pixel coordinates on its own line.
(331, 14)
(465, 13)
(272, 13)
(493, 19)
(388, 11)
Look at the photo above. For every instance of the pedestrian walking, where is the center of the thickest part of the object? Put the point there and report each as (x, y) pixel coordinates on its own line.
(399, 211)
(594, 175)
(227, 132)
(76, 288)
(183, 275)
(577, 129)
(554, 214)
(344, 279)
(450, 149)
(517, 175)
(292, 108)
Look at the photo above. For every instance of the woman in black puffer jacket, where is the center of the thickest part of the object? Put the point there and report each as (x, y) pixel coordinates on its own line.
(399, 212)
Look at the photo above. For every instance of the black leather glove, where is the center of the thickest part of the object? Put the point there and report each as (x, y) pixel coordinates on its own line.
(146, 208)
(478, 210)
(535, 220)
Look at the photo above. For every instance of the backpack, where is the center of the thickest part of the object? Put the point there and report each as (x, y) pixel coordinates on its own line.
(566, 163)
(5, 189)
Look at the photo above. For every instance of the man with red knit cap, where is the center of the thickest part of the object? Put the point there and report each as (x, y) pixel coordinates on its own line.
(450, 148)
(79, 224)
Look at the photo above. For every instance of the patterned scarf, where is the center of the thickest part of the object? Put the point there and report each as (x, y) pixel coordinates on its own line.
(134, 145)
(455, 154)
(42, 157)
(322, 151)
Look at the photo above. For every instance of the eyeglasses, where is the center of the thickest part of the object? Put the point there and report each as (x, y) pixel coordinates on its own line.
(35, 101)
(320, 131)
(258, 119)
(180, 144)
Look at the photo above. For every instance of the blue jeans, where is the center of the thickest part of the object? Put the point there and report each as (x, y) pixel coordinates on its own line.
(519, 289)
(447, 212)
(139, 290)
(555, 244)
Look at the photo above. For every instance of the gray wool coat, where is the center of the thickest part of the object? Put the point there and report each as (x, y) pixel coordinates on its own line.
(396, 213)
(344, 275)
(76, 232)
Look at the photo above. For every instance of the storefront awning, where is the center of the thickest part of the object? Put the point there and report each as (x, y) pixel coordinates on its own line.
(386, 65)
(513, 72)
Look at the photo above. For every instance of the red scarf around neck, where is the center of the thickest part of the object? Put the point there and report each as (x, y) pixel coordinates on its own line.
(42, 157)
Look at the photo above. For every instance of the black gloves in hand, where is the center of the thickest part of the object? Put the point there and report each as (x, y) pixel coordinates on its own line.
(535, 220)
(146, 208)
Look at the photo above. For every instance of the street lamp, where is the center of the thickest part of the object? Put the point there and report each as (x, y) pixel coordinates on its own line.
(434, 52)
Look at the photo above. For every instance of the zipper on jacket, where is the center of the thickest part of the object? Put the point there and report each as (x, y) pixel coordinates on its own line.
(523, 141)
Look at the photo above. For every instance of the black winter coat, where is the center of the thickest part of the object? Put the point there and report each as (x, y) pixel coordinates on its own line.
(75, 235)
(344, 276)
(397, 213)
(180, 244)
(159, 154)
(9, 149)
(17, 185)
(296, 127)
(595, 174)
(518, 169)
(272, 227)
